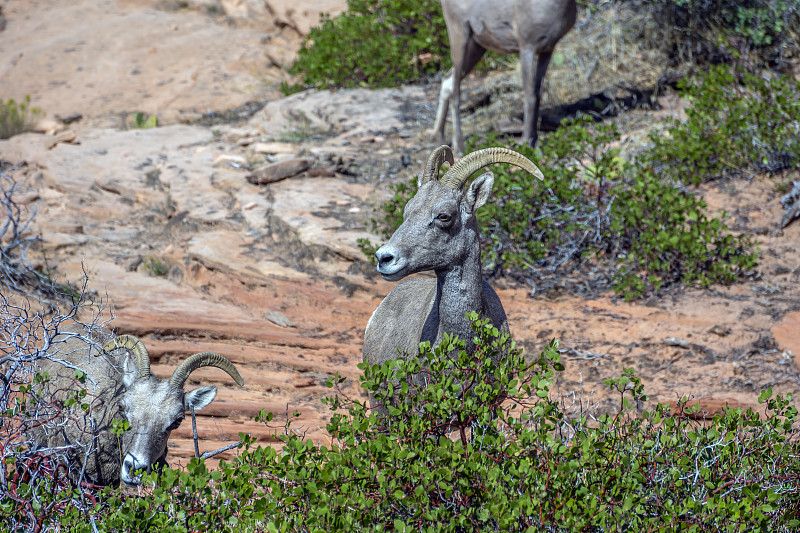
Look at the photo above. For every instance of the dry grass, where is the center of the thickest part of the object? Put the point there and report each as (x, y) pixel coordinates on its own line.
(604, 52)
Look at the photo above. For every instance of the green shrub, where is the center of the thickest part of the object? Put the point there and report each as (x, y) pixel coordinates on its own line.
(663, 237)
(17, 117)
(503, 457)
(376, 43)
(738, 123)
(595, 209)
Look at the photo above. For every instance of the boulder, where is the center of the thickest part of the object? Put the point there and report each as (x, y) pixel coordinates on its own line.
(348, 114)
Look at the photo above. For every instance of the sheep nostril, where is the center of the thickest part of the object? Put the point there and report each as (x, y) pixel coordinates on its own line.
(384, 258)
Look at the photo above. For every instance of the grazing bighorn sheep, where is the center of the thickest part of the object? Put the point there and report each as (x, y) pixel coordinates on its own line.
(440, 233)
(118, 385)
(528, 27)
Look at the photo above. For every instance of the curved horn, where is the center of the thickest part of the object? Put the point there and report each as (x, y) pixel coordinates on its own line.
(141, 358)
(435, 162)
(470, 163)
(199, 360)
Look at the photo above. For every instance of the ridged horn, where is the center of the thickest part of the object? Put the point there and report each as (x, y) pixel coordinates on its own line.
(199, 360)
(470, 163)
(141, 358)
(435, 162)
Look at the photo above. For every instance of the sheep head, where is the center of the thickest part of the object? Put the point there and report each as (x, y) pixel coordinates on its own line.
(155, 407)
(439, 226)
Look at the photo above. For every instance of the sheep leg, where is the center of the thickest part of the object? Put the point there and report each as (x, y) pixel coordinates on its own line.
(463, 63)
(533, 90)
(444, 102)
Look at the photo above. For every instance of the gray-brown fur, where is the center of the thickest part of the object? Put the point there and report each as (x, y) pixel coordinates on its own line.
(439, 233)
(530, 28)
(116, 389)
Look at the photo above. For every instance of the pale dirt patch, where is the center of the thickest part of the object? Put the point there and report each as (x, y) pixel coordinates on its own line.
(101, 58)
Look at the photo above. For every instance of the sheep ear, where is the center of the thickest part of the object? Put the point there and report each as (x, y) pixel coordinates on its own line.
(128, 371)
(199, 398)
(479, 191)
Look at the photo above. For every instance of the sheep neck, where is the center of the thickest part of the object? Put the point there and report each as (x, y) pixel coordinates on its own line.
(459, 290)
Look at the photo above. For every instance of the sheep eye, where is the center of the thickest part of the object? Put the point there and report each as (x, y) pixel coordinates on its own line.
(175, 424)
(443, 217)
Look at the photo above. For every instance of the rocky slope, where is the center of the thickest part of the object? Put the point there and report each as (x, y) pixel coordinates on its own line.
(196, 239)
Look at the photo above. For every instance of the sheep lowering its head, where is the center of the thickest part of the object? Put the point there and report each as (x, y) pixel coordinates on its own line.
(119, 385)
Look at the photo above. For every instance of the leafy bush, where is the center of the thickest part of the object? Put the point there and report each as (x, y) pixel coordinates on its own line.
(17, 117)
(729, 30)
(506, 456)
(738, 123)
(663, 236)
(377, 43)
(594, 209)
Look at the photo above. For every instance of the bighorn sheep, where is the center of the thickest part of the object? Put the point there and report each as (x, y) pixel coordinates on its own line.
(119, 385)
(440, 233)
(528, 27)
